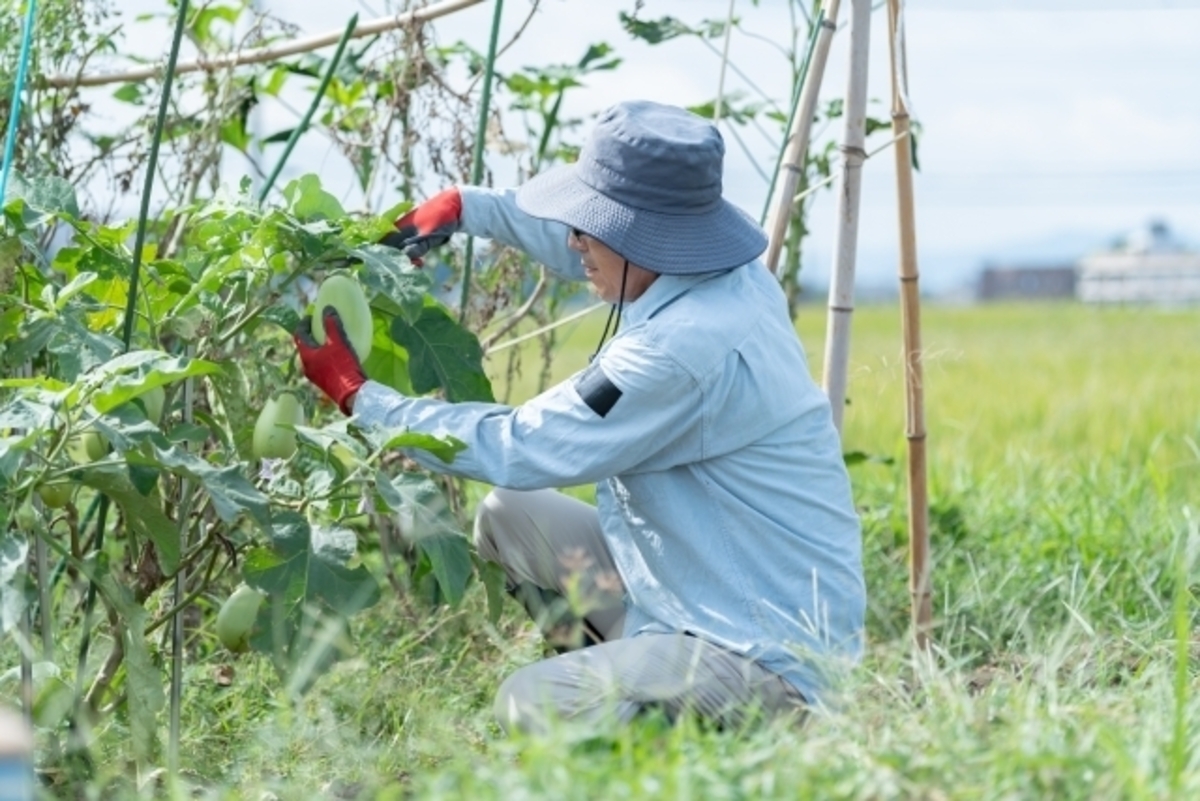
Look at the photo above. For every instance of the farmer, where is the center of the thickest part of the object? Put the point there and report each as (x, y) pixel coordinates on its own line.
(720, 571)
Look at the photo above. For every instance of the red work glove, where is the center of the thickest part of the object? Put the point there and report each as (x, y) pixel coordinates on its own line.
(427, 226)
(333, 367)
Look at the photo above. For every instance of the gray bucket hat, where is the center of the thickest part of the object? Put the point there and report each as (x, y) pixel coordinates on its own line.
(648, 185)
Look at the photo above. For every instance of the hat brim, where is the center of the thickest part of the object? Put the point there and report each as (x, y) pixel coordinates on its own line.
(718, 238)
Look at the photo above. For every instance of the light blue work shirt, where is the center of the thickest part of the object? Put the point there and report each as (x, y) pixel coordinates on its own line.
(722, 491)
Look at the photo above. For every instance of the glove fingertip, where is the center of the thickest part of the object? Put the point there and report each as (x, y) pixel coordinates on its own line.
(417, 250)
(302, 333)
(332, 322)
(335, 328)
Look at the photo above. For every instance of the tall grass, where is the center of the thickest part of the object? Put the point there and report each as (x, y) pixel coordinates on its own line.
(1064, 468)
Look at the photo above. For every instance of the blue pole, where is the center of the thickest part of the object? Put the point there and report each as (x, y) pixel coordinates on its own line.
(14, 110)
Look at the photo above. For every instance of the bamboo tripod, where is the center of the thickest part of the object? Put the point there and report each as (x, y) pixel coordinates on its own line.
(841, 290)
(796, 148)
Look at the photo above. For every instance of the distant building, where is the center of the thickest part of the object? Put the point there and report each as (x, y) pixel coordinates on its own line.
(1149, 266)
(1051, 282)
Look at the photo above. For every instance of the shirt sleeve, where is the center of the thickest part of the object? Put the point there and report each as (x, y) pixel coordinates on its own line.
(493, 214)
(633, 408)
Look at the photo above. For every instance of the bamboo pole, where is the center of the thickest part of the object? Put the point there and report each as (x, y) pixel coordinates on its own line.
(841, 288)
(910, 300)
(792, 167)
(798, 81)
(264, 54)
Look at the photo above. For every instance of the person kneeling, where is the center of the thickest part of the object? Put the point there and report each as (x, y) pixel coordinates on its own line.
(720, 570)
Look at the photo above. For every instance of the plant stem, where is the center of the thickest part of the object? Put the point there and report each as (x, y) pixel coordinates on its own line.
(183, 603)
(189, 559)
(185, 505)
(787, 132)
(250, 317)
(275, 52)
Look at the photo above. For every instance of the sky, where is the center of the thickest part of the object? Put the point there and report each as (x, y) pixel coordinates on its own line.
(1049, 127)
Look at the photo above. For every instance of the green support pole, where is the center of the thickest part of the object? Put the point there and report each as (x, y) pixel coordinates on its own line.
(477, 158)
(351, 26)
(130, 315)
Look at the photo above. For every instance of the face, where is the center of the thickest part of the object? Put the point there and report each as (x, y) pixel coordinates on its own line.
(604, 268)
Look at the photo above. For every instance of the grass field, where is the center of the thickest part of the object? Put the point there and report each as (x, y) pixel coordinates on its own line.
(1064, 479)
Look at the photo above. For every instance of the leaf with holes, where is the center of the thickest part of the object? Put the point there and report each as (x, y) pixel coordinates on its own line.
(308, 564)
(390, 274)
(311, 589)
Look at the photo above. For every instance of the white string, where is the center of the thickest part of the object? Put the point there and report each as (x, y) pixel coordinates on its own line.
(538, 332)
(833, 176)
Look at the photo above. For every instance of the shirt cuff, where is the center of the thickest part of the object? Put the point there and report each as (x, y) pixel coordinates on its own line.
(375, 403)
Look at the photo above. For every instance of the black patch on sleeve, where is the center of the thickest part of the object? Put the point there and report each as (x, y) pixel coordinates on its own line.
(596, 390)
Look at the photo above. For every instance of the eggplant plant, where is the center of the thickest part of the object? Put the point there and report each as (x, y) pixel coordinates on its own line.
(165, 431)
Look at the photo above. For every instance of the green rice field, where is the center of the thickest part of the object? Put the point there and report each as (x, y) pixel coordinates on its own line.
(1064, 466)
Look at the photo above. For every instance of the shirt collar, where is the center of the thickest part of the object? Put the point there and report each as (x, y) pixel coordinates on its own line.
(664, 290)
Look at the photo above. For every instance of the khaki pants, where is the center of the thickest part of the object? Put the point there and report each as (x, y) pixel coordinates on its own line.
(547, 541)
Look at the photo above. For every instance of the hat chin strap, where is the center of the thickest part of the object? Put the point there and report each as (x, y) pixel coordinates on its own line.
(616, 309)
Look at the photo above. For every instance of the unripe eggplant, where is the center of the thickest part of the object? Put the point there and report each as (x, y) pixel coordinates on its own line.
(235, 620)
(271, 439)
(85, 447)
(344, 294)
(55, 496)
